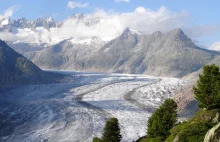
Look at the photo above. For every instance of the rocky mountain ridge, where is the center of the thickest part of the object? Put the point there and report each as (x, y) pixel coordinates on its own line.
(13, 25)
(161, 54)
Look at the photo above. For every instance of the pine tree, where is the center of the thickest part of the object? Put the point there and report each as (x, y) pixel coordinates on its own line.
(161, 121)
(111, 132)
(96, 139)
(207, 91)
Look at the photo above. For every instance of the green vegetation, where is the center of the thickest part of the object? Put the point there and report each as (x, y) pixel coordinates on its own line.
(14, 67)
(194, 130)
(96, 139)
(162, 120)
(111, 132)
(18, 70)
(207, 91)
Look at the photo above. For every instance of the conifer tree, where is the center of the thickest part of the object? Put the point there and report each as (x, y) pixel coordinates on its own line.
(96, 139)
(161, 121)
(111, 132)
(207, 91)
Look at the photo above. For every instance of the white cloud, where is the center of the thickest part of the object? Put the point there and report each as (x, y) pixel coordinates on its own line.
(140, 9)
(215, 46)
(8, 13)
(112, 24)
(122, 1)
(74, 4)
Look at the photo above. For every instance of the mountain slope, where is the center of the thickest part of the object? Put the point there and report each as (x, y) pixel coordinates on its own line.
(14, 65)
(15, 69)
(161, 54)
(170, 54)
(69, 54)
(185, 98)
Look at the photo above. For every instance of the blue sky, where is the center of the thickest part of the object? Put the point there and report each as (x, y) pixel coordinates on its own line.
(204, 12)
(201, 13)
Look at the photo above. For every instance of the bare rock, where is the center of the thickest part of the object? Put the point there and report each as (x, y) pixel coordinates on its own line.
(213, 135)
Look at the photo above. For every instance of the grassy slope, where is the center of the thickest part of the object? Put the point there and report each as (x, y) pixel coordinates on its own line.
(193, 130)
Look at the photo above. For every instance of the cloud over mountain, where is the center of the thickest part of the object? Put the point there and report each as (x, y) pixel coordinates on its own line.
(107, 25)
(215, 46)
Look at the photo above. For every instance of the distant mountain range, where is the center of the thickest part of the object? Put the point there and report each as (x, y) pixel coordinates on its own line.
(12, 25)
(170, 54)
(162, 54)
(25, 35)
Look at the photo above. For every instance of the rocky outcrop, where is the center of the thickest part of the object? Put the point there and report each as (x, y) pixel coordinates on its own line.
(16, 70)
(213, 135)
(187, 104)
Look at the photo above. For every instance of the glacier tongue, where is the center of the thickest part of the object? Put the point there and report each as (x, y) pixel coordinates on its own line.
(78, 111)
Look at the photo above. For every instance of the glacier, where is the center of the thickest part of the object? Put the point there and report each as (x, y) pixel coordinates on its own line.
(78, 111)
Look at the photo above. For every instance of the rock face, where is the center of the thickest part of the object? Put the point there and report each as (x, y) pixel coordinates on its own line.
(14, 65)
(15, 70)
(187, 104)
(161, 54)
(12, 61)
(213, 135)
(22, 23)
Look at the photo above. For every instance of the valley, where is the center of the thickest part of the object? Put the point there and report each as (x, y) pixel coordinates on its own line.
(77, 111)
(71, 71)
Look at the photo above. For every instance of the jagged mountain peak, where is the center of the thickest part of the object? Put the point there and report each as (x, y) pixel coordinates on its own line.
(8, 24)
(126, 30)
(157, 33)
(177, 33)
(129, 33)
(78, 16)
(22, 19)
(132, 31)
(48, 19)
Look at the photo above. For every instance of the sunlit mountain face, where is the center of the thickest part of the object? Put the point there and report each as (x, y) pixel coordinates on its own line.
(67, 67)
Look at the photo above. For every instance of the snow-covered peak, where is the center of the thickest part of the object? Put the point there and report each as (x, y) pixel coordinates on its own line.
(45, 19)
(135, 32)
(49, 19)
(131, 31)
(87, 41)
(77, 16)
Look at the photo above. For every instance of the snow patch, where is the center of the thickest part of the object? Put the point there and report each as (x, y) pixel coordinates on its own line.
(135, 32)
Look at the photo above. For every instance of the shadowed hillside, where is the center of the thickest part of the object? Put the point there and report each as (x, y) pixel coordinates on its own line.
(15, 70)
